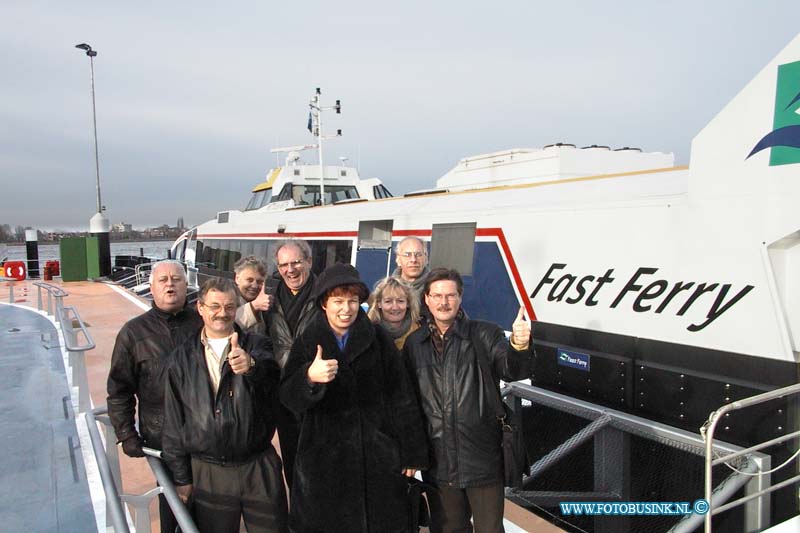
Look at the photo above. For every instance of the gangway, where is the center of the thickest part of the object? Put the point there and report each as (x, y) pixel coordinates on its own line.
(609, 433)
(713, 457)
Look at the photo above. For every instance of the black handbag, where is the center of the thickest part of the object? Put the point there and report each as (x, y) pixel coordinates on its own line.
(419, 515)
(515, 460)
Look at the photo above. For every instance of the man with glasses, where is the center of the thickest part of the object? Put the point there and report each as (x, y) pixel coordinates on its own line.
(465, 435)
(249, 275)
(138, 365)
(220, 408)
(412, 263)
(291, 313)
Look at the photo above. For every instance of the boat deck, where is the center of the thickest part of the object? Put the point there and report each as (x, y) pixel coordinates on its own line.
(104, 308)
(44, 485)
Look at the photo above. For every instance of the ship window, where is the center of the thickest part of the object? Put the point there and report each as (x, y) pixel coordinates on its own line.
(235, 248)
(259, 199)
(255, 201)
(453, 246)
(297, 172)
(218, 256)
(246, 248)
(379, 191)
(267, 198)
(180, 251)
(343, 173)
(286, 193)
(375, 234)
(327, 253)
(309, 194)
(260, 250)
(205, 254)
(190, 256)
(223, 255)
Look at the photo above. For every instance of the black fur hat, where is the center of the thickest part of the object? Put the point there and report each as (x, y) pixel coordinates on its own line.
(336, 275)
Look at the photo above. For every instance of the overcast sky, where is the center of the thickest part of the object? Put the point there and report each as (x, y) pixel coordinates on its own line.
(191, 95)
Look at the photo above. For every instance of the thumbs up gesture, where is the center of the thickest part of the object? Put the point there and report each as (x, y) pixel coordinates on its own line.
(322, 370)
(262, 302)
(239, 360)
(520, 331)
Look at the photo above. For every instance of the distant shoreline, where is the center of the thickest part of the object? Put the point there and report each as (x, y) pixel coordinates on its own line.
(112, 241)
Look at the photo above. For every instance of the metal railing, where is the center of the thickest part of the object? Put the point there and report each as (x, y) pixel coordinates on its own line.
(115, 514)
(108, 464)
(53, 293)
(143, 273)
(10, 288)
(712, 459)
(68, 318)
(610, 431)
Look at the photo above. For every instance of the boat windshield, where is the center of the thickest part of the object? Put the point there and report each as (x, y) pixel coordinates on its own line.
(309, 194)
(259, 199)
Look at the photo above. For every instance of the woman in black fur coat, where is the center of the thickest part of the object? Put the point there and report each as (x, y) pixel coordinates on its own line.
(361, 432)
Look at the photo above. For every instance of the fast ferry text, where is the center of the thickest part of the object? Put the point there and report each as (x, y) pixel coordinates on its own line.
(644, 292)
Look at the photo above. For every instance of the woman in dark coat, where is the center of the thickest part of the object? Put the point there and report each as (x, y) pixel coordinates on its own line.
(361, 431)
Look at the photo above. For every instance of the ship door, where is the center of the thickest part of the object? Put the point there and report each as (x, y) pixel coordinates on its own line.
(374, 252)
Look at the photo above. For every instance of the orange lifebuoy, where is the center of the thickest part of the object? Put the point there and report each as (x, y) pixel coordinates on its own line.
(15, 269)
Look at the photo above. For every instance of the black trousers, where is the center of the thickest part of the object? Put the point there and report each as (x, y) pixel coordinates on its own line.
(451, 509)
(254, 491)
(288, 435)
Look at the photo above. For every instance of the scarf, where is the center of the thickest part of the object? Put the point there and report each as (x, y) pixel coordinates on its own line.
(418, 285)
(293, 304)
(405, 325)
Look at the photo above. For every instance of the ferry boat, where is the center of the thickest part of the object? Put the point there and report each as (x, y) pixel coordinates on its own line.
(659, 292)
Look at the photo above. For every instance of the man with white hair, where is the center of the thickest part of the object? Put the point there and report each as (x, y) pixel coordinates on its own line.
(411, 257)
(137, 372)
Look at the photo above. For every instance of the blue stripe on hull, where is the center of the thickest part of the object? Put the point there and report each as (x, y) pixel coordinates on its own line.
(488, 293)
(372, 265)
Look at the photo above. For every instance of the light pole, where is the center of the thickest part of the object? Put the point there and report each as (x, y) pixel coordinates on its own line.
(91, 53)
(98, 224)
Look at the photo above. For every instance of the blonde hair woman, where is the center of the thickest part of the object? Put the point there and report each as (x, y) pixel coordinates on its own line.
(394, 306)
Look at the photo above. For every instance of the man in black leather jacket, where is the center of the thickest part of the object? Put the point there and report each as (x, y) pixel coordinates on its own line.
(292, 310)
(464, 432)
(220, 404)
(137, 366)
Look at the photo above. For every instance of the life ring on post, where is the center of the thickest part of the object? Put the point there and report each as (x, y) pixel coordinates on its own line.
(15, 270)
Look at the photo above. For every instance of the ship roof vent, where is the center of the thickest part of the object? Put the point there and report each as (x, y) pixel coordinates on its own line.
(596, 146)
(627, 149)
(558, 145)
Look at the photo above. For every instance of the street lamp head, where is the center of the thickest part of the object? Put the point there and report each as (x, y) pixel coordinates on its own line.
(89, 51)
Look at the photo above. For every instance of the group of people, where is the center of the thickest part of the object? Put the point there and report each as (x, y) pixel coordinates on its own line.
(361, 400)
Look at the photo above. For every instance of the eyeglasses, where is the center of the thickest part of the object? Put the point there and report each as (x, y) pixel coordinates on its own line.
(409, 255)
(296, 264)
(216, 308)
(440, 297)
(165, 279)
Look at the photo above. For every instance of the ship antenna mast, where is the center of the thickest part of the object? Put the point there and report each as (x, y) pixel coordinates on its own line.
(315, 127)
